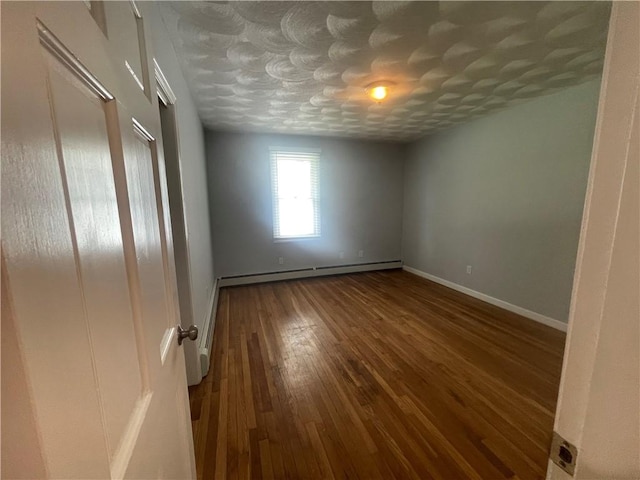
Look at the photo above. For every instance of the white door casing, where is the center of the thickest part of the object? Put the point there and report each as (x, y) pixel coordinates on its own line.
(89, 294)
(599, 402)
(171, 138)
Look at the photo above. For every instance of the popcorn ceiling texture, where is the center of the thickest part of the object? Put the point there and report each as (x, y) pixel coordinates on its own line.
(302, 67)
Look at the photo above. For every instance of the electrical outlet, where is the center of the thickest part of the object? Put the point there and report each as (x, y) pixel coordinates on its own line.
(468, 269)
(360, 253)
(281, 260)
(341, 255)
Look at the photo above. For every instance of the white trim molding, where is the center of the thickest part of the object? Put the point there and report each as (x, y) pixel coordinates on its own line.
(548, 321)
(162, 86)
(307, 272)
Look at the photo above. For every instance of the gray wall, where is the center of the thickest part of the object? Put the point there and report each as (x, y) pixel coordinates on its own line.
(193, 167)
(504, 194)
(360, 203)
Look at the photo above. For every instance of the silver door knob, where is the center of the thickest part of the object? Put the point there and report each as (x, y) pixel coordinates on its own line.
(191, 333)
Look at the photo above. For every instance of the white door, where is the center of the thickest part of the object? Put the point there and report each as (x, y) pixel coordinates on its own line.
(93, 378)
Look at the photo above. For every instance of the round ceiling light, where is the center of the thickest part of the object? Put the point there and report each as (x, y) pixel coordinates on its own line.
(378, 91)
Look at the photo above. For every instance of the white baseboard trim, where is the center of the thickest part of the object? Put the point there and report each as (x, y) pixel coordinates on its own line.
(306, 273)
(208, 324)
(548, 321)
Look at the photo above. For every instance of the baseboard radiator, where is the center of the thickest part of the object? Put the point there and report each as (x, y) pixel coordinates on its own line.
(208, 326)
(307, 272)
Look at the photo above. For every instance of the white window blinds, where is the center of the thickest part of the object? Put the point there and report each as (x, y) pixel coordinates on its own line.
(296, 192)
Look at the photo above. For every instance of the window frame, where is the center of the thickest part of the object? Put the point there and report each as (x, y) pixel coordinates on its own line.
(315, 155)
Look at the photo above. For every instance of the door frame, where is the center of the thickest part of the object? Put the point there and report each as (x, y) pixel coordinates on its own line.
(182, 255)
(599, 393)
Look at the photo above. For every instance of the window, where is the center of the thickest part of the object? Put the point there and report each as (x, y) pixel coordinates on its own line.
(295, 191)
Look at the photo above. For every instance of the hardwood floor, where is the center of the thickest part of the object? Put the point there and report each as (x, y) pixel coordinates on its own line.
(374, 375)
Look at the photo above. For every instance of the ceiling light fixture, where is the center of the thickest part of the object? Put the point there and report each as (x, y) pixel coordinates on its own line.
(378, 91)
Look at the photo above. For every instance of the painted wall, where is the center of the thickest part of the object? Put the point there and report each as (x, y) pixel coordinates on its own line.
(505, 195)
(360, 193)
(193, 167)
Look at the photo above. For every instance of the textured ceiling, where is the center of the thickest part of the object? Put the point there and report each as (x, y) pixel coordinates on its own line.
(302, 67)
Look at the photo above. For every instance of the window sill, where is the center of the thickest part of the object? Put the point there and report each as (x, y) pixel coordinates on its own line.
(296, 239)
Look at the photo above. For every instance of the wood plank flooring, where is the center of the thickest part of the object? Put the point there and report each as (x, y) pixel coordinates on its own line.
(374, 375)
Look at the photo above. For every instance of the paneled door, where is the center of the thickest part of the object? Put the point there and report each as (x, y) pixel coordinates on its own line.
(93, 375)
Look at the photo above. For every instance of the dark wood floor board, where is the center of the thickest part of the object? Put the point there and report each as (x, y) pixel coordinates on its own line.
(376, 375)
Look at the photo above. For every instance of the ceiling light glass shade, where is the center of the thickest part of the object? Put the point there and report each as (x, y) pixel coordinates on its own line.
(378, 91)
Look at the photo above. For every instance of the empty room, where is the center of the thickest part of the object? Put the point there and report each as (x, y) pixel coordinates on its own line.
(320, 240)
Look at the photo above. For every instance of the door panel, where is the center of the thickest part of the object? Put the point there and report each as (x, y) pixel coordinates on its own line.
(164, 221)
(146, 236)
(40, 266)
(124, 26)
(85, 160)
(85, 251)
(162, 432)
(141, 180)
(21, 457)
